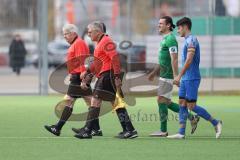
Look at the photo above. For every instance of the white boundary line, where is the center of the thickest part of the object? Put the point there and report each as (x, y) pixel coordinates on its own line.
(105, 137)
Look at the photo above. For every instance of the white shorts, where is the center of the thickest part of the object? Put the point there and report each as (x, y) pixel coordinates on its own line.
(165, 87)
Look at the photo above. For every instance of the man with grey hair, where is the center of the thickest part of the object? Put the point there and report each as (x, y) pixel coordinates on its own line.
(106, 67)
(77, 53)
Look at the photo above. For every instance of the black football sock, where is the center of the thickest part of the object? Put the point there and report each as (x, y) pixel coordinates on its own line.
(96, 125)
(67, 111)
(121, 118)
(93, 114)
(125, 119)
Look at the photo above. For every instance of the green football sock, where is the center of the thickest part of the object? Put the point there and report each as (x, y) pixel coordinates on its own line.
(163, 112)
(174, 107)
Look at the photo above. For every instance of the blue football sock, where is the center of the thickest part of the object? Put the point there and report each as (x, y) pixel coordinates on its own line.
(214, 121)
(183, 114)
(204, 114)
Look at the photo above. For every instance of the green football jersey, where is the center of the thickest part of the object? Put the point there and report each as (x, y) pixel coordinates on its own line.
(168, 46)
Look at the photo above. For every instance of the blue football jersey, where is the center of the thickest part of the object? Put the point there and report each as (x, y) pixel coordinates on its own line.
(193, 71)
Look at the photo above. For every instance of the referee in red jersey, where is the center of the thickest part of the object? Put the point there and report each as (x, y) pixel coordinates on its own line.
(76, 55)
(106, 68)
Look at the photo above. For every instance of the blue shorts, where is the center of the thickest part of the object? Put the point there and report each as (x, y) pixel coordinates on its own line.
(188, 90)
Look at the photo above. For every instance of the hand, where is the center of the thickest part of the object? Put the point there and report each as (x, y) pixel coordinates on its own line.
(176, 81)
(84, 86)
(88, 78)
(118, 82)
(83, 74)
(151, 76)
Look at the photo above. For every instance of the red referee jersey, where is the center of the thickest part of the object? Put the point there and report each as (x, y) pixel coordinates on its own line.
(105, 56)
(76, 55)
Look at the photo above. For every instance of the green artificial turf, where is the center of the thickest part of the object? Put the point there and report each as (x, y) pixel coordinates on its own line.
(22, 136)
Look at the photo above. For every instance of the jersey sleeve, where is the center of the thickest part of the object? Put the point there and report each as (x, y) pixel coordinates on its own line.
(172, 45)
(110, 49)
(70, 59)
(191, 43)
(82, 52)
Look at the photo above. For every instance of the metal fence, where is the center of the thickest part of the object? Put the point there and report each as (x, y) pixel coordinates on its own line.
(215, 22)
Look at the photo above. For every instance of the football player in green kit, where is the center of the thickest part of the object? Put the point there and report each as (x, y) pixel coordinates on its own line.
(168, 67)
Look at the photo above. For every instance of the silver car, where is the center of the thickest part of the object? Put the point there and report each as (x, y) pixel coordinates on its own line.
(57, 51)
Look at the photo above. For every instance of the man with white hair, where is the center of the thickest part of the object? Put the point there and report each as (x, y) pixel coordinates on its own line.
(106, 68)
(76, 55)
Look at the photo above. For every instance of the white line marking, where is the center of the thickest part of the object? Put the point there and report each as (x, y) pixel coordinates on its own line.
(104, 137)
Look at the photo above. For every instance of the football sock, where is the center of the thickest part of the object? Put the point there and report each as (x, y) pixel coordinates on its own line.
(163, 113)
(93, 114)
(95, 122)
(96, 125)
(67, 111)
(183, 114)
(124, 119)
(174, 107)
(121, 119)
(204, 114)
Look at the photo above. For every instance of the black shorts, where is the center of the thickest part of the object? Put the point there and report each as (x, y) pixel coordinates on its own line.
(105, 87)
(74, 89)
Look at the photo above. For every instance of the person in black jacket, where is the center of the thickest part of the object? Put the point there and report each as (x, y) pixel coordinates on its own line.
(17, 54)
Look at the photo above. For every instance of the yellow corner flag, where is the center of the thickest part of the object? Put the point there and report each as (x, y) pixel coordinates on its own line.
(119, 101)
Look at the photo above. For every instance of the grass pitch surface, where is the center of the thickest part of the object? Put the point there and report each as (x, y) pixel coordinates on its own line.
(22, 136)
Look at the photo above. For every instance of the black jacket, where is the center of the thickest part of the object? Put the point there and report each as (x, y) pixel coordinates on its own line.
(17, 53)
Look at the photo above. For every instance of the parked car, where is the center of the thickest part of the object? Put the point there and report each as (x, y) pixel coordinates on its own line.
(133, 58)
(57, 51)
